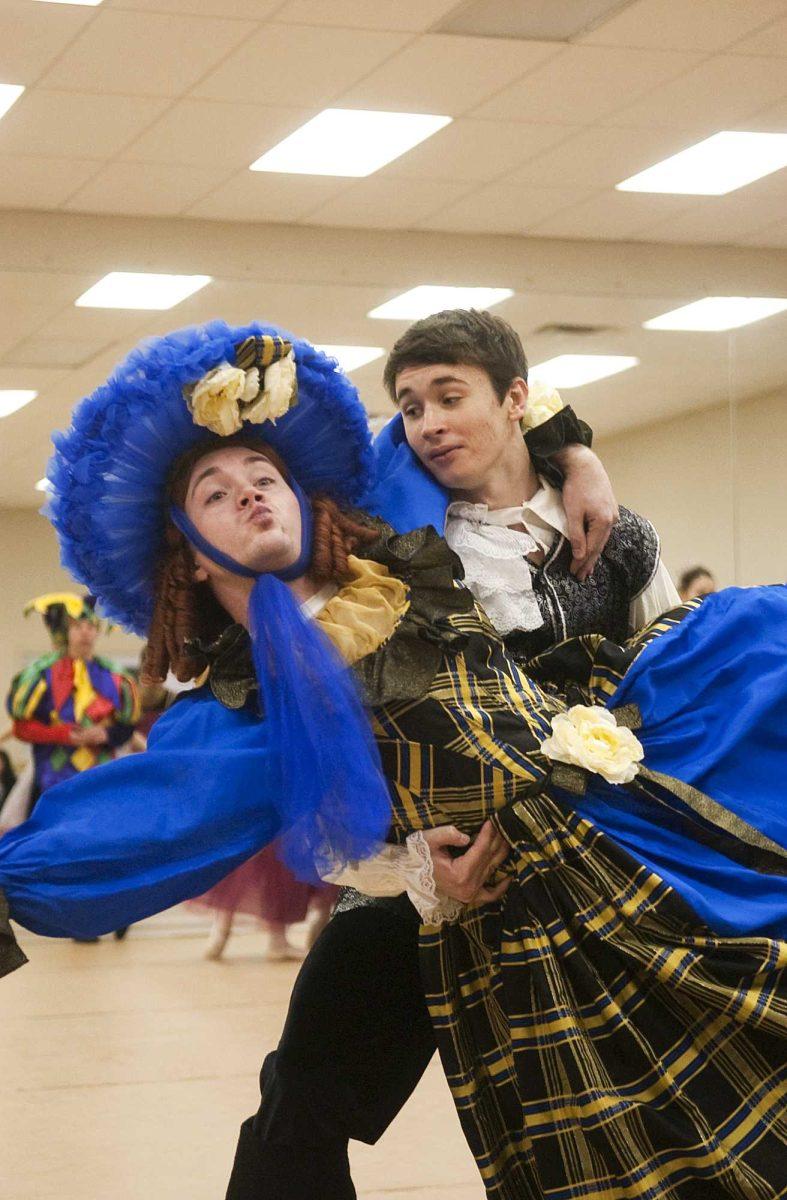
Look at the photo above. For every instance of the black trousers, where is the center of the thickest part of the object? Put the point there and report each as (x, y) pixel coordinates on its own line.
(356, 1041)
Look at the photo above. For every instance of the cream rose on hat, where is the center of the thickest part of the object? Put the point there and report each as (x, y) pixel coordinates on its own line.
(227, 396)
(588, 736)
(276, 397)
(543, 402)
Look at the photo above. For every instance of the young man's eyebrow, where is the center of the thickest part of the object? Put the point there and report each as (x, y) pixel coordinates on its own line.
(407, 391)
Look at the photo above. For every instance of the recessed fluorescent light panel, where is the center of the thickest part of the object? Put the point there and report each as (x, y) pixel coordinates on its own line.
(9, 94)
(13, 399)
(427, 299)
(720, 164)
(348, 142)
(133, 289)
(717, 313)
(574, 370)
(350, 358)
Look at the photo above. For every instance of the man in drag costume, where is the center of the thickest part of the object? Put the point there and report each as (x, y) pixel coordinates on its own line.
(612, 1025)
(73, 706)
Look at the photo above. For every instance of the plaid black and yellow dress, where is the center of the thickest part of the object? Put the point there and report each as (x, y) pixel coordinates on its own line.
(600, 1041)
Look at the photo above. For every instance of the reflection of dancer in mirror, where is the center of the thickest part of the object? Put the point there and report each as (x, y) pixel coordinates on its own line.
(613, 1021)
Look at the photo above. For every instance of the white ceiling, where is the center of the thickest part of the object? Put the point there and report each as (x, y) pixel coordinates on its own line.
(152, 110)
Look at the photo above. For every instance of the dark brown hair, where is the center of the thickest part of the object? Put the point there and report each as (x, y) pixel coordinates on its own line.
(460, 335)
(185, 609)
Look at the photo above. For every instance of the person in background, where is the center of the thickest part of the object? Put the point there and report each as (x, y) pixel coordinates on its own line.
(76, 709)
(696, 582)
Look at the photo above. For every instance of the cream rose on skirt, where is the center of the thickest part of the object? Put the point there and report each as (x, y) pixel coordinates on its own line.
(588, 736)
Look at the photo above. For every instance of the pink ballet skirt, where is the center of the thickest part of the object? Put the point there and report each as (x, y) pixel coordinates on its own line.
(263, 887)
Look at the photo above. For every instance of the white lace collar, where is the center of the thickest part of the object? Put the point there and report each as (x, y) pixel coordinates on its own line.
(494, 555)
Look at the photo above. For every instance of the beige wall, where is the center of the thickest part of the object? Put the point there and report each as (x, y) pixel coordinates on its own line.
(715, 500)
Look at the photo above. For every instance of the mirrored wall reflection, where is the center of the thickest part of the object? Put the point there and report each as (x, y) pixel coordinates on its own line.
(695, 438)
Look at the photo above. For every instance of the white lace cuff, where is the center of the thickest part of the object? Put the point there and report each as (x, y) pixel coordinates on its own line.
(398, 869)
(433, 906)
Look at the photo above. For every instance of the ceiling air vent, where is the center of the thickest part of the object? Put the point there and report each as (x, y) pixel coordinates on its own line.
(530, 20)
(557, 327)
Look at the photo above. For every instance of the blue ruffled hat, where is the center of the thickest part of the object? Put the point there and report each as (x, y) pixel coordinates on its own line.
(109, 470)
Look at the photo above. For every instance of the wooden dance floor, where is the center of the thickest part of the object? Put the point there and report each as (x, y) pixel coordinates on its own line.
(127, 1068)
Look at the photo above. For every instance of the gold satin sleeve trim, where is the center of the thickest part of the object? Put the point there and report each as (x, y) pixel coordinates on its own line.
(365, 612)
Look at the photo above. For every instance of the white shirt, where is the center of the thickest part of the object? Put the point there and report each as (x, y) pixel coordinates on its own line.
(497, 570)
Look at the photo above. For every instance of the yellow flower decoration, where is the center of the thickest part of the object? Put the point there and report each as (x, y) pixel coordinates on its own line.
(588, 736)
(227, 396)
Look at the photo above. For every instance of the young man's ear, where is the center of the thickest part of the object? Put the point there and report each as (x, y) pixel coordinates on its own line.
(200, 574)
(517, 394)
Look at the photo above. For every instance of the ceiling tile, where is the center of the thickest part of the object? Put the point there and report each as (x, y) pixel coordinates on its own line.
(32, 35)
(413, 15)
(440, 73)
(501, 209)
(710, 97)
(41, 182)
(377, 203)
(599, 157)
(63, 124)
(722, 219)
(251, 10)
(772, 119)
(29, 300)
(107, 325)
(259, 196)
(144, 54)
(298, 65)
(590, 81)
(613, 215)
(680, 25)
(476, 150)
(144, 189)
(770, 41)
(53, 352)
(202, 133)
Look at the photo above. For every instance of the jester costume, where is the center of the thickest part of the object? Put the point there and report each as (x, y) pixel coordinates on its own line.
(616, 1025)
(58, 694)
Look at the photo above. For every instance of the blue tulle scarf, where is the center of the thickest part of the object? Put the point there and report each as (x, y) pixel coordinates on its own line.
(332, 799)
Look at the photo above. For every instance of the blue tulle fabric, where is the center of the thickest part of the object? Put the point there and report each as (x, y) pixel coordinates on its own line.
(713, 698)
(109, 469)
(333, 800)
(402, 492)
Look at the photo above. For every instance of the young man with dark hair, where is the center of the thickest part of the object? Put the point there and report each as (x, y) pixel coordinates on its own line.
(358, 1036)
